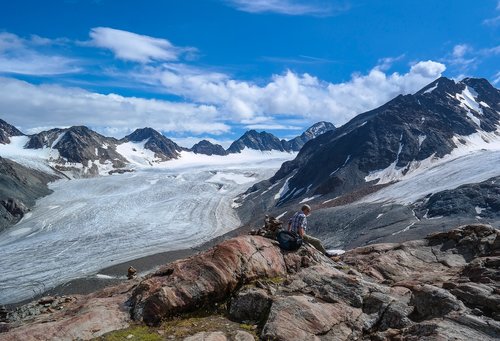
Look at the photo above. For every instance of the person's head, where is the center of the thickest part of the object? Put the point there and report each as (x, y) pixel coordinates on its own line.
(306, 209)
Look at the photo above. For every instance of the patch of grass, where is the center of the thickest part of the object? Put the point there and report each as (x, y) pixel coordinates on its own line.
(276, 280)
(139, 333)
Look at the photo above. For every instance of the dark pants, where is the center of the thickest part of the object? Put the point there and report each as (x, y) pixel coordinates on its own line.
(314, 242)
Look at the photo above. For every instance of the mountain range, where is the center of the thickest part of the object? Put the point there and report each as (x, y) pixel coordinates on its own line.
(79, 151)
(29, 162)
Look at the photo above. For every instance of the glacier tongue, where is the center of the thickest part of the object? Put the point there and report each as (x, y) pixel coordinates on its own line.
(89, 224)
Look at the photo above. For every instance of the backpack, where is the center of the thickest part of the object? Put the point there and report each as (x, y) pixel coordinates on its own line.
(289, 241)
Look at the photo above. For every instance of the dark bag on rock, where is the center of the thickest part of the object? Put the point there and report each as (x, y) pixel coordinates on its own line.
(289, 241)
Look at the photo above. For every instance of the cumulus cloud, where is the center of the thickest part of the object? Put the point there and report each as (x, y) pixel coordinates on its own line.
(22, 56)
(290, 7)
(289, 94)
(136, 47)
(27, 105)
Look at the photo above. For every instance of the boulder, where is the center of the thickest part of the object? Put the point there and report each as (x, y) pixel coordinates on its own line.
(250, 305)
(212, 276)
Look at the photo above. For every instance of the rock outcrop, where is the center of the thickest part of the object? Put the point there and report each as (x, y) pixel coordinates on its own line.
(443, 287)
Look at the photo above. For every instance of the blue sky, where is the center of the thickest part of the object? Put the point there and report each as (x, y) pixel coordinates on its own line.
(214, 68)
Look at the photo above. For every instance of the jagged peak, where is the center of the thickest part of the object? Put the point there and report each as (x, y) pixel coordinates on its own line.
(142, 134)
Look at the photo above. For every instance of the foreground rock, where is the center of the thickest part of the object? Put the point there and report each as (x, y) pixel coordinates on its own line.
(72, 318)
(443, 287)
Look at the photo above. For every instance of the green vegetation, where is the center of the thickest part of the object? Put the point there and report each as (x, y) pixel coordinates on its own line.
(141, 333)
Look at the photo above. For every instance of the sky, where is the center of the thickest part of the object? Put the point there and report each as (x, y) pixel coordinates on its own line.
(213, 69)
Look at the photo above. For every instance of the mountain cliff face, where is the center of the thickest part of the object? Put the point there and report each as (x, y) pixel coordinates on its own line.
(164, 148)
(394, 138)
(375, 178)
(6, 131)
(208, 148)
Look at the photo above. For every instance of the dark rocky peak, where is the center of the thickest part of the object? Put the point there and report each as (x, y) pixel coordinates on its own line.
(442, 86)
(255, 140)
(80, 144)
(208, 148)
(7, 131)
(486, 92)
(164, 148)
(312, 132)
(143, 134)
(407, 129)
(318, 128)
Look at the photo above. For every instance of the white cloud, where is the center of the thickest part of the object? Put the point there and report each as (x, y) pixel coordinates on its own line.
(290, 7)
(272, 127)
(385, 64)
(290, 94)
(460, 50)
(495, 21)
(136, 47)
(27, 106)
(496, 79)
(20, 56)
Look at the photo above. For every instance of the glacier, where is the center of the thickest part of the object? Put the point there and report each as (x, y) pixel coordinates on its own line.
(89, 224)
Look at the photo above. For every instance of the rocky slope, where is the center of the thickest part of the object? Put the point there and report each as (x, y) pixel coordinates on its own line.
(19, 188)
(410, 136)
(394, 137)
(443, 287)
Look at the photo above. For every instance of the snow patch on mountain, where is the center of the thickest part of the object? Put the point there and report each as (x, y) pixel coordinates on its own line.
(479, 152)
(137, 154)
(468, 101)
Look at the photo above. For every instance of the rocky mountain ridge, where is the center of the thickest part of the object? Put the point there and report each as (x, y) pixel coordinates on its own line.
(442, 287)
(265, 141)
(446, 133)
(78, 151)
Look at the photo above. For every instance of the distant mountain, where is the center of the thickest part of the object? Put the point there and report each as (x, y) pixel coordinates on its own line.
(164, 148)
(266, 141)
(259, 141)
(80, 148)
(312, 132)
(208, 148)
(7, 131)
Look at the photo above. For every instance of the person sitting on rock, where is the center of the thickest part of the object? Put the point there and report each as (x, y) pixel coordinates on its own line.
(298, 224)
